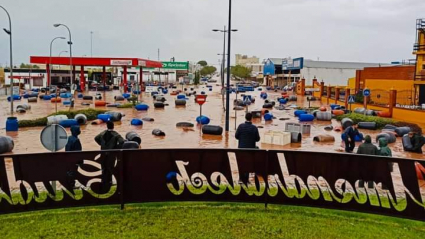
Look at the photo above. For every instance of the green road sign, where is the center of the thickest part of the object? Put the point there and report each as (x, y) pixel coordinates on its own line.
(175, 65)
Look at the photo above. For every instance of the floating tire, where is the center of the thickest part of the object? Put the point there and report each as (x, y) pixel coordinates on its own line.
(324, 138)
(367, 125)
(185, 124)
(212, 130)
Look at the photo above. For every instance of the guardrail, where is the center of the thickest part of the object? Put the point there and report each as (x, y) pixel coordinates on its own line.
(387, 186)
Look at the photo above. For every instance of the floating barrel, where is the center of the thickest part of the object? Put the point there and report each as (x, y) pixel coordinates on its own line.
(6, 144)
(126, 95)
(15, 97)
(158, 105)
(53, 95)
(401, 131)
(133, 136)
(56, 100)
(80, 96)
(202, 120)
(118, 98)
(329, 127)
(97, 122)
(389, 137)
(98, 97)
(306, 117)
(26, 96)
(142, 107)
(47, 97)
(158, 132)
(113, 105)
(268, 117)
(282, 101)
(297, 113)
(324, 116)
(323, 109)
(115, 116)
(68, 123)
(238, 108)
(333, 106)
(296, 137)
(338, 112)
(148, 119)
(87, 97)
(315, 113)
(65, 95)
(268, 106)
(346, 122)
(100, 103)
(263, 95)
(370, 112)
(63, 90)
(324, 138)
(104, 117)
(390, 126)
(81, 119)
(180, 102)
(154, 93)
(56, 119)
(32, 99)
(160, 98)
(85, 104)
(185, 124)
(384, 114)
(130, 145)
(180, 97)
(367, 125)
(24, 106)
(407, 144)
(12, 124)
(212, 130)
(164, 91)
(136, 122)
(20, 110)
(359, 110)
(136, 92)
(67, 103)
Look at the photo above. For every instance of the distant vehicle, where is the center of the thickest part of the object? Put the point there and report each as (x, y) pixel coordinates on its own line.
(204, 79)
(212, 81)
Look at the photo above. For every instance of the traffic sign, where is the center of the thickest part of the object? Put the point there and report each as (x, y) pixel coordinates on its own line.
(351, 99)
(201, 99)
(54, 137)
(366, 92)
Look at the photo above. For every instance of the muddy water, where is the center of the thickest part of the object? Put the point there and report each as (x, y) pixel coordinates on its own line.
(27, 140)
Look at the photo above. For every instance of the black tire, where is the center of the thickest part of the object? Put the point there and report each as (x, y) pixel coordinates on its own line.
(185, 124)
(212, 130)
(87, 97)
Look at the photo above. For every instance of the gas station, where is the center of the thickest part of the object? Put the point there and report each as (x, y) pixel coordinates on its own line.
(103, 62)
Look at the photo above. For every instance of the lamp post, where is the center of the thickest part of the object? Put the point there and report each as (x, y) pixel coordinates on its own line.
(228, 63)
(91, 43)
(70, 51)
(60, 53)
(9, 32)
(50, 59)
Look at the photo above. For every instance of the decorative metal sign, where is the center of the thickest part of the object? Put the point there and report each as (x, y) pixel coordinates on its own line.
(379, 185)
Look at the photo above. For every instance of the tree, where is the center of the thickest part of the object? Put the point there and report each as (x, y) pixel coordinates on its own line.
(27, 66)
(203, 63)
(196, 80)
(240, 72)
(208, 70)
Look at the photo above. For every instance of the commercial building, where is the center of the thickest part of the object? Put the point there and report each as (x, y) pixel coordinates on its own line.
(245, 60)
(282, 71)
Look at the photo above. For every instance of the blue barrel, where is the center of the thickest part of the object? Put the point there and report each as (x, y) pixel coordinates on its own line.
(333, 106)
(33, 94)
(299, 112)
(35, 90)
(268, 117)
(126, 95)
(104, 117)
(47, 97)
(136, 122)
(67, 103)
(263, 95)
(53, 95)
(26, 96)
(68, 123)
(136, 92)
(282, 101)
(154, 93)
(80, 96)
(358, 138)
(306, 117)
(12, 124)
(142, 107)
(164, 91)
(202, 120)
(15, 97)
(181, 97)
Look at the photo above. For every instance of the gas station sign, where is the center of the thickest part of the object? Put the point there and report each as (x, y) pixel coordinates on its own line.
(121, 62)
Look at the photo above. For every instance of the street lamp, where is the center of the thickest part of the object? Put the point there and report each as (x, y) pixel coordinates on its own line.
(70, 51)
(228, 63)
(91, 43)
(9, 32)
(60, 53)
(50, 59)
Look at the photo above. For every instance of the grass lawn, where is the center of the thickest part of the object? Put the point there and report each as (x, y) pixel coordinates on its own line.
(204, 220)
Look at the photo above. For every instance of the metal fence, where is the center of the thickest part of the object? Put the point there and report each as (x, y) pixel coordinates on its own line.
(405, 97)
(380, 97)
(387, 186)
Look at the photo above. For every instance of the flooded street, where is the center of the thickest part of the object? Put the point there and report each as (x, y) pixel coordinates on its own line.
(27, 140)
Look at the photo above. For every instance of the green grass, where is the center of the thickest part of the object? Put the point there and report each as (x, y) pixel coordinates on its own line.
(205, 220)
(90, 113)
(126, 106)
(380, 122)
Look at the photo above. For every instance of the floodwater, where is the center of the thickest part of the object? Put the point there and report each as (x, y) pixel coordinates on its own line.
(27, 140)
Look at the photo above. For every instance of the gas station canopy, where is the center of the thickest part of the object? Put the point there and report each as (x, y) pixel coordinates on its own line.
(95, 61)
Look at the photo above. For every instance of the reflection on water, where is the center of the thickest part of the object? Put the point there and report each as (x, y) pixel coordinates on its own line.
(27, 140)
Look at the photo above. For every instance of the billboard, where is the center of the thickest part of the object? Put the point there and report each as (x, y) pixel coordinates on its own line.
(293, 64)
(175, 65)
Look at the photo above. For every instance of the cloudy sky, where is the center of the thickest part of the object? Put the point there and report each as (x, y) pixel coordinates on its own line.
(336, 30)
